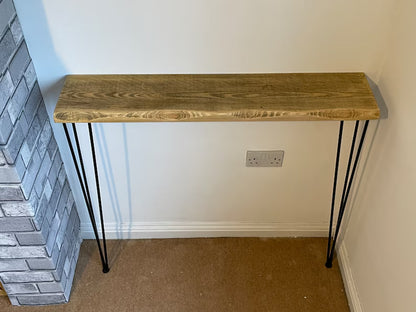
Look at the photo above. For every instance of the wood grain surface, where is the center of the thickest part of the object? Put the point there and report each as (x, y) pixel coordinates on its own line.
(216, 97)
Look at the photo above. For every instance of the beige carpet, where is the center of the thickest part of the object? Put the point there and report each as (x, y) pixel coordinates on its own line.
(211, 274)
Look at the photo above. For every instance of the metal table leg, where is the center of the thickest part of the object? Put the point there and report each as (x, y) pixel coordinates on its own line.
(349, 176)
(85, 189)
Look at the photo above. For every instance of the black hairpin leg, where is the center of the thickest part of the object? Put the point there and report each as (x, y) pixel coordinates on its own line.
(349, 176)
(85, 189)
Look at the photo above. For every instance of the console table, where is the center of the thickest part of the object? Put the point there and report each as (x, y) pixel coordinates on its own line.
(216, 97)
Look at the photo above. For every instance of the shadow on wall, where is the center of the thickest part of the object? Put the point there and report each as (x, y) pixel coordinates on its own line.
(127, 163)
(110, 180)
(364, 159)
(384, 112)
(51, 74)
(49, 68)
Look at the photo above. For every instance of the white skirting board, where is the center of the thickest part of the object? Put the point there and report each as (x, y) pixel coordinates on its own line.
(347, 277)
(138, 230)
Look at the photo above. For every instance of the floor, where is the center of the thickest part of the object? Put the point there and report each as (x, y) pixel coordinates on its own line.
(209, 274)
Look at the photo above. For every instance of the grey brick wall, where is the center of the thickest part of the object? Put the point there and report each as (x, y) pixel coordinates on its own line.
(39, 223)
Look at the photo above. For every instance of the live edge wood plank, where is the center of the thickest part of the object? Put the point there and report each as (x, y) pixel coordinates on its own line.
(216, 97)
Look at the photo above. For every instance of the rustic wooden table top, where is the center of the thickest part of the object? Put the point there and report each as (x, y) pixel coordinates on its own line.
(216, 97)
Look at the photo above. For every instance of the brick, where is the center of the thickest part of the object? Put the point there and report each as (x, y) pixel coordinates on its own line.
(18, 100)
(30, 175)
(8, 174)
(56, 192)
(18, 209)
(32, 104)
(44, 138)
(15, 225)
(30, 75)
(7, 239)
(42, 114)
(16, 30)
(53, 172)
(6, 89)
(26, 277)
(52, 287)
(49, 213)
(22, 252)
(40, 213)
(20, 167)
(23, 123)
(6, 127)
(6, 14)
(41, 177)
(77, 225)
(70, 202)
(63, 199)
(41, 299)
(62, 175)
(7, 47)
(13, 265)
(26, 288)
(67, 266)
(2, 159)
(45, 227)
(30, 239)
(62, 230)
(72, 219)
(64, 281)
(55, 255)
(77, 247)
(52, 147)
(47, 189)
(52, 234)
(26, 153)
(72, 244)
(57, 274)
(70, 280)
(33, 134)
(34, 201)
(41, 264)
(13, 300)
(37, 223)
(19, 63)
(14, 143)
(10, 192)
(62, 257)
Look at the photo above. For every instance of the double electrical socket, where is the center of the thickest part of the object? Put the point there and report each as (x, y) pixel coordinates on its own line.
(264, 158)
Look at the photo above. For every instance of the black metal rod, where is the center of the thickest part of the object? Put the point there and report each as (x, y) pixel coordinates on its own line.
(86, 196)
(97, 183)
(334, 188)
(344, 203)
(71, 148)
(328, 263)
(74, 129)
(347, 173)
(354, 138)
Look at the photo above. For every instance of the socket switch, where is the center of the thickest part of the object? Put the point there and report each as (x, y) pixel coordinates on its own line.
(264, 158)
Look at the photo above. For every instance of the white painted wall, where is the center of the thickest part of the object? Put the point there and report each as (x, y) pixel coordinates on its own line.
(191, 176)
(381, 238)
